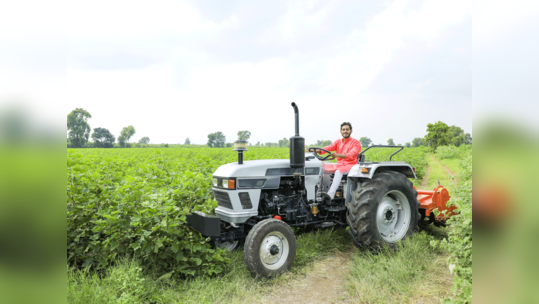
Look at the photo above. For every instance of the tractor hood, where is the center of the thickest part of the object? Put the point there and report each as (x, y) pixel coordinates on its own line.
(260, 168)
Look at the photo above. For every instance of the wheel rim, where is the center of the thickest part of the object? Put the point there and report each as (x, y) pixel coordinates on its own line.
(274, 250)
(393, 216)
(227, 245)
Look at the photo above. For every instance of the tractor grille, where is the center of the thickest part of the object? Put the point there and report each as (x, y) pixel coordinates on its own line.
(245, 200)
(223, 199)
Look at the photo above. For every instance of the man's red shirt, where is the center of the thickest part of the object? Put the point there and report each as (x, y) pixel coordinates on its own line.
(351, 147)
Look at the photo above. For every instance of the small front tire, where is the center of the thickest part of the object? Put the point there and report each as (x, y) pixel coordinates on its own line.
(270, 248)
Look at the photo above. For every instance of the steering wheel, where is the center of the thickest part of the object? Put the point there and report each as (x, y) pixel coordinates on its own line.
(328, 157)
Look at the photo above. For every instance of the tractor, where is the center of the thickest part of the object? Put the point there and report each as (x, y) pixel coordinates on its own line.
(259, 201)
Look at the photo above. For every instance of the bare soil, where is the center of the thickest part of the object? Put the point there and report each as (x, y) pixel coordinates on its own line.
(425, 180)
(324, 283)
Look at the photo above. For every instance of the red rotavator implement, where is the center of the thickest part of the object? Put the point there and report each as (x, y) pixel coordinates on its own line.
(435, 199)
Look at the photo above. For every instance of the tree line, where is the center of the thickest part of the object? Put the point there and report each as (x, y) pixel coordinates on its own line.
(218, 140)
(79, 133)
(438, 134)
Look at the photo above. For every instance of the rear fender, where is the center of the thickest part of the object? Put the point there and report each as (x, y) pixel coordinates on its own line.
(372, 168)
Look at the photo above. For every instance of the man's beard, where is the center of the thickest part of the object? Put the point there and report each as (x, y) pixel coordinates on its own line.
(344, 136)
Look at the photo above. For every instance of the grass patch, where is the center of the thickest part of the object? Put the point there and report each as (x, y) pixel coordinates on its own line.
(125, 282)
(437, 172)
(416, 271)
(453, 164)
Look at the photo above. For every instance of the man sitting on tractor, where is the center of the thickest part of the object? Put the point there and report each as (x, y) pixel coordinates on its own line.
(346, 151)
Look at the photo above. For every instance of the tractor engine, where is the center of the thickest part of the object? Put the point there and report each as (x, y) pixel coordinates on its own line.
(289, 204)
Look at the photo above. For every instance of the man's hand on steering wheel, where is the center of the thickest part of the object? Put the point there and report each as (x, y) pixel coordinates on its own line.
(331, 155)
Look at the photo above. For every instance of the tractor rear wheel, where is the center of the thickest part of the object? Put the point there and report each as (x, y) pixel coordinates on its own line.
(383, 211)
(270, 248)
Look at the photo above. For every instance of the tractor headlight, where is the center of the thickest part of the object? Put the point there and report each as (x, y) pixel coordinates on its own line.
(215, 181)
(225, 183)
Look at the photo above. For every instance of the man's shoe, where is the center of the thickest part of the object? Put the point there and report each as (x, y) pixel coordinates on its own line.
(326, 196)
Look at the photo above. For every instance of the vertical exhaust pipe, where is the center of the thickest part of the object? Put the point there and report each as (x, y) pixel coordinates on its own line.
(297, 118)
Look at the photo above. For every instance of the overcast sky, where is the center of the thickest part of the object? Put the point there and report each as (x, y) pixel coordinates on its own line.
(178, 69)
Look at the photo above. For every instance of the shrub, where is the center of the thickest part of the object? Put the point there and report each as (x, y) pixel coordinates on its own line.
(447, 152)
(129, 205)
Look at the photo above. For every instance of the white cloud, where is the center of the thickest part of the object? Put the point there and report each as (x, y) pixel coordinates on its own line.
(104, 18)
(366, 51)
(188, 93)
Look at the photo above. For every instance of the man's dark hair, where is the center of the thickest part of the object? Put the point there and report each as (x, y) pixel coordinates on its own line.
(346, 123)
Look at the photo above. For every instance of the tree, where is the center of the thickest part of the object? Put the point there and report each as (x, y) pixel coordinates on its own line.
(211, 140)
(407, 145)
(283, 143)
(216, 140)
(145, 140)
(437, 135)
(79, 129)
(244, 135)
(187, 141)
(103, 138)
(390, 142)
(416, 142)
(456, 135)
(365, 141)
(467, 139)
(125, 135)
(229, 145)
(258, 143)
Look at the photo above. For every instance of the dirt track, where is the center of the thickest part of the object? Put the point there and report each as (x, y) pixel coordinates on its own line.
(325, 283)
(449, 171)
(425, 180)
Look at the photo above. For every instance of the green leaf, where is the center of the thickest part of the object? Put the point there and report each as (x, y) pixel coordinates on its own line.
(174, 248)
(166, 276)
(113, 244)
(188, 272)
(87, 262)
(157, 246)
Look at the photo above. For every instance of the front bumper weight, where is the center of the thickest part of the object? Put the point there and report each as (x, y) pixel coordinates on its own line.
(207, 225)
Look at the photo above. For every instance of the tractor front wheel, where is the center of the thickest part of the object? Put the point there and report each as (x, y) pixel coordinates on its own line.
(270, 248)
(383, 211)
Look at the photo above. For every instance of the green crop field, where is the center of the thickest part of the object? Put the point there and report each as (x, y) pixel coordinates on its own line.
(128, 205)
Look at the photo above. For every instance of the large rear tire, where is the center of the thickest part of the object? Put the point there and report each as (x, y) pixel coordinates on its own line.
(270, 248)
(383, 211)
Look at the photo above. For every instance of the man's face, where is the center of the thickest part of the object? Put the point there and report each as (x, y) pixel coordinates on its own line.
(345, 131)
